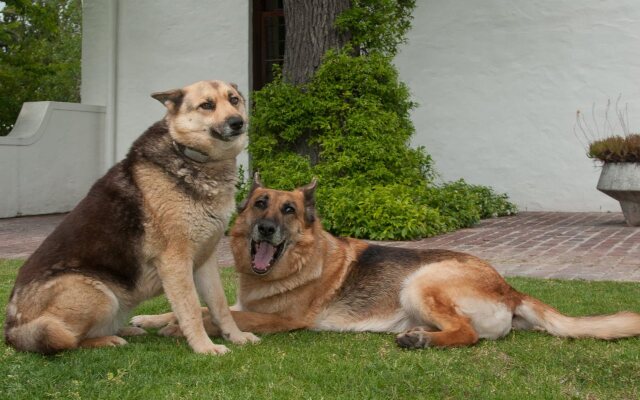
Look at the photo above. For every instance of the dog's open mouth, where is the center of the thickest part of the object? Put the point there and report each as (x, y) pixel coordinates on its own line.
(264, 255)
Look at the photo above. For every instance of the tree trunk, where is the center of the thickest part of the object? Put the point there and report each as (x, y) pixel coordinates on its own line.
(310, 33)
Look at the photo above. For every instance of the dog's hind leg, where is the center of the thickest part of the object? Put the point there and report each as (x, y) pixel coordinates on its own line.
(72, 309)
(45, 334)
(434, 307)
(455, 331)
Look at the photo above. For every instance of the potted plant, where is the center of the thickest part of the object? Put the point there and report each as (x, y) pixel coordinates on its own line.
(620, 177)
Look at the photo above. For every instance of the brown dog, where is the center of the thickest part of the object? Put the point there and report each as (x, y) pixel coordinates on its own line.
(294, 275)
(151, 223)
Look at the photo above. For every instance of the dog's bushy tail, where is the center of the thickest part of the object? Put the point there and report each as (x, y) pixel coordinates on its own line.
(45, 334)
(534, 314)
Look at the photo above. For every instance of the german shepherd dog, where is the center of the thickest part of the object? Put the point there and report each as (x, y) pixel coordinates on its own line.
(294, 275)
(150, 224)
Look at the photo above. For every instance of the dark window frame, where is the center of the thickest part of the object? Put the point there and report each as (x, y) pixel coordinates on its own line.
(261, 13)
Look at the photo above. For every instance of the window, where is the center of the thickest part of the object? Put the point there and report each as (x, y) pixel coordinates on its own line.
(268, 40)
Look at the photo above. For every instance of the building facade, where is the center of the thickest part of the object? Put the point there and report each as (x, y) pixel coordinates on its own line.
(498, 82)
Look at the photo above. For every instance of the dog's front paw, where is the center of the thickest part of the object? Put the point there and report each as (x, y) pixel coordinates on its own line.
(242, 337)
(151, 321)
(215, 349)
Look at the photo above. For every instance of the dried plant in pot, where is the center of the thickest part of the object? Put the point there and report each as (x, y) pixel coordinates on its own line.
(620, 176)
(618, 153)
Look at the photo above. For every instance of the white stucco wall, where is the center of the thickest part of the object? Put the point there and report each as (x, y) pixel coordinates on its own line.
(499, 83)
(159, 45)
(51, 158)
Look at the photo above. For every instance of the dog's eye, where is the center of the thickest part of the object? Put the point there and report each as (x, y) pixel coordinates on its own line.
(288, 210)
(261, 204)
(207, 105)
(234, 100)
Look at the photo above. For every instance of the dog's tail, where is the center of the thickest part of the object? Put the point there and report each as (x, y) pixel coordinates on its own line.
(45, 334)
(531, 313)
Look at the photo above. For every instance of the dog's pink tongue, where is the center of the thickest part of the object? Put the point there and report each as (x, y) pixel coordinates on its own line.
(264, 254)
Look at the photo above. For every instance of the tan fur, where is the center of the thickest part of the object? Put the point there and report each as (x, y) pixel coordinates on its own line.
(431, 297)
(185, 211)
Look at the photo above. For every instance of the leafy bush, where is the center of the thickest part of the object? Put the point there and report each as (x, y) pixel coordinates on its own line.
(377, 25)
(372, 184)
(397, 211)
(616, 149)
(350, 127)
(379, 212)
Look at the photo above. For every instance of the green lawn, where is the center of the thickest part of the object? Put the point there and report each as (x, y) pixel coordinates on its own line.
(310, 365)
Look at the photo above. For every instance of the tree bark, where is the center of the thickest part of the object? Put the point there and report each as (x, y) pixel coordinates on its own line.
(310, 33)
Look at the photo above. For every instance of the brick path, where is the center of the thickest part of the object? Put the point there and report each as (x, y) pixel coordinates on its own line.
(595, 246)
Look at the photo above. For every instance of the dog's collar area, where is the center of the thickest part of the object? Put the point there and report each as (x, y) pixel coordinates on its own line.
(190, 153)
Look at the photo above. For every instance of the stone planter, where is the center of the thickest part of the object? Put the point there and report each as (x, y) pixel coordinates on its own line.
(622, 182)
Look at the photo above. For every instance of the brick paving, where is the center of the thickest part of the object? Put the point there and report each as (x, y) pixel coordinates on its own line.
(593, 246)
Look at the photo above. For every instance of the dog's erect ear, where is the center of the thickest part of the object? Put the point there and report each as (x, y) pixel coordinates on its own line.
(233, 85)
(172, 99)
(309, 192)
(254, 185)
(256, 181)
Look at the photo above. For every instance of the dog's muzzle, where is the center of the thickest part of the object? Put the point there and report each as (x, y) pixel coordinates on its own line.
(267, 245)
(233, 127)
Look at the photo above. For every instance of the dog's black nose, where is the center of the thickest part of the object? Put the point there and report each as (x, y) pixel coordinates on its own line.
(236, 123)
(266, 228)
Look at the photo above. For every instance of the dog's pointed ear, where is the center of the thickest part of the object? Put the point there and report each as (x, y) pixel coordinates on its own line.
(172, 99)
(254, 185)
(309, 193)
(235, 86)
(256, 181)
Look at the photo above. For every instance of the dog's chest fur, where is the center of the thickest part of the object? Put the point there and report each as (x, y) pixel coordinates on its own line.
(182, 203)
(185, 209)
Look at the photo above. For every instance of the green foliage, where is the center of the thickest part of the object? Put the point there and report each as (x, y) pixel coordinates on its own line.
(480, 198)
(358, 115)
(379, 212)
(372, 183)
(396, 211)
(616, 149)
(354, 115)
(377, 25)
(40, 43)
(242, 185)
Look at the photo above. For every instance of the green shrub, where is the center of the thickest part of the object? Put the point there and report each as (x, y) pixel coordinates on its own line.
(350, 127)
(378, 212)
(488, 203)
(616, 149)
(398, 211)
